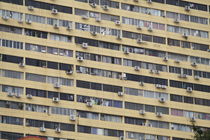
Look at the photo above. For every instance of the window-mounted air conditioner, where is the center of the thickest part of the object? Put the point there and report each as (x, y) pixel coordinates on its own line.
(159, 114)
(29, 96)
(54, 11)
(69, 72)
(165, 58)
(72, 117)
(55, 99)
(58, 130)
(142, 112)
(120, 93)
(94, 5)
(56, 25)
(5, 17)
(93, 33)
(42, 129)
(196, 77)
(185, 35)
(28, 21)
(80, 58)
(89, 104)
(141, 83)
(187, 8)
(189, 89)
(57, 85)
(149, 1)
(30, 8)
(105, 7)
(162, 100)
(22, 64)
(194, 64)
(84, 45)
(136, 68)
(182, 75)
(10, 94)
(117, 23)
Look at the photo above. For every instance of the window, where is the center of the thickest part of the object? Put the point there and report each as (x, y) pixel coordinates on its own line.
(10, 29)
(11, 74)
(111, 118)
(35, 33)
(47, 6)
(58, 37)
(11, 44)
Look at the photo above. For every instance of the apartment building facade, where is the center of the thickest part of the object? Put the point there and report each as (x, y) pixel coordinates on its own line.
(104, 69)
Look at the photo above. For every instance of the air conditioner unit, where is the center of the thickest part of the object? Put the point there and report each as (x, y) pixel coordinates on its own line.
(98, 19)
(136, 0)
(141, 83)
(17, 95)
(192, 119)
(57, 85)
(22, 64)
(93, 5)
(105, 7)
(194, 64)
(165, 58)
(61, 53)
(58, 130)
(172, 127)
(138, 27)
(126, 51)
(196, 77)
(151, 71)
(89, 104)
(162, 100)
(85, 17)
(150, 29)
(69, 27)
(156, 71)
(189, 89)
(121, 138)
(177, 61)
(117, 22)
(140, 41)
(148, 11)
(31, 8)
(43, 50)
(158, 86)
(187, 8)
(42, 129)
(208, 50)
(80, 58)
(182, 75)
(163, 86)
(159, 114)
(55, 99)
(185, 35)
(29, 96)
(28, 21)
(72, 118)
(54, 11)
(56, 26)
(176, 20)
(120, 93)
(55, 53)
(136, 68)
(20, 20)
(123, 76)
(149, 125)
(69, 72)
(10, 94)
(119, 37)
(5, 17)
(93, 33)
(84, 45)
(149, 1)
(142, 112)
